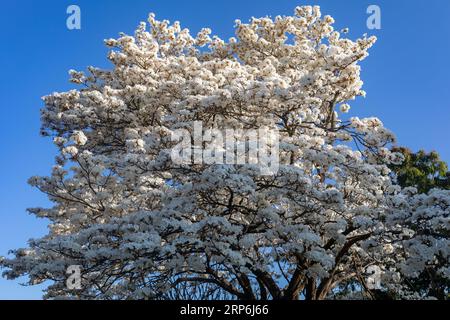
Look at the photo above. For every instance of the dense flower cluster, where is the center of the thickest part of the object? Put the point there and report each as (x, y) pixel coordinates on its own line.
(142, 226)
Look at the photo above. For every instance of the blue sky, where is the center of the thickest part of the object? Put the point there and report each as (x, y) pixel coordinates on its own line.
(406, 78)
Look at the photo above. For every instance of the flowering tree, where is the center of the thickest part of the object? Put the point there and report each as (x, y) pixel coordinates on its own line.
(142, 226)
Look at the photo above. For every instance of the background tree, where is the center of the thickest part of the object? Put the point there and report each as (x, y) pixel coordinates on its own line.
(142, 226)
(422, 170)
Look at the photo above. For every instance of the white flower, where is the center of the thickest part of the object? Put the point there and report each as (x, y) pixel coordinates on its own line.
(70, 150)
(79, 138)
(59, 141)
(344, 108)
(388, 248)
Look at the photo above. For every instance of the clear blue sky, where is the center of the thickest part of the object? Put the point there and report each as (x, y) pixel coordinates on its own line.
(406, 78)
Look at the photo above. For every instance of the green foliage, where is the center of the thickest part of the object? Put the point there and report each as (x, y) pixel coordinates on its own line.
(422, 170)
